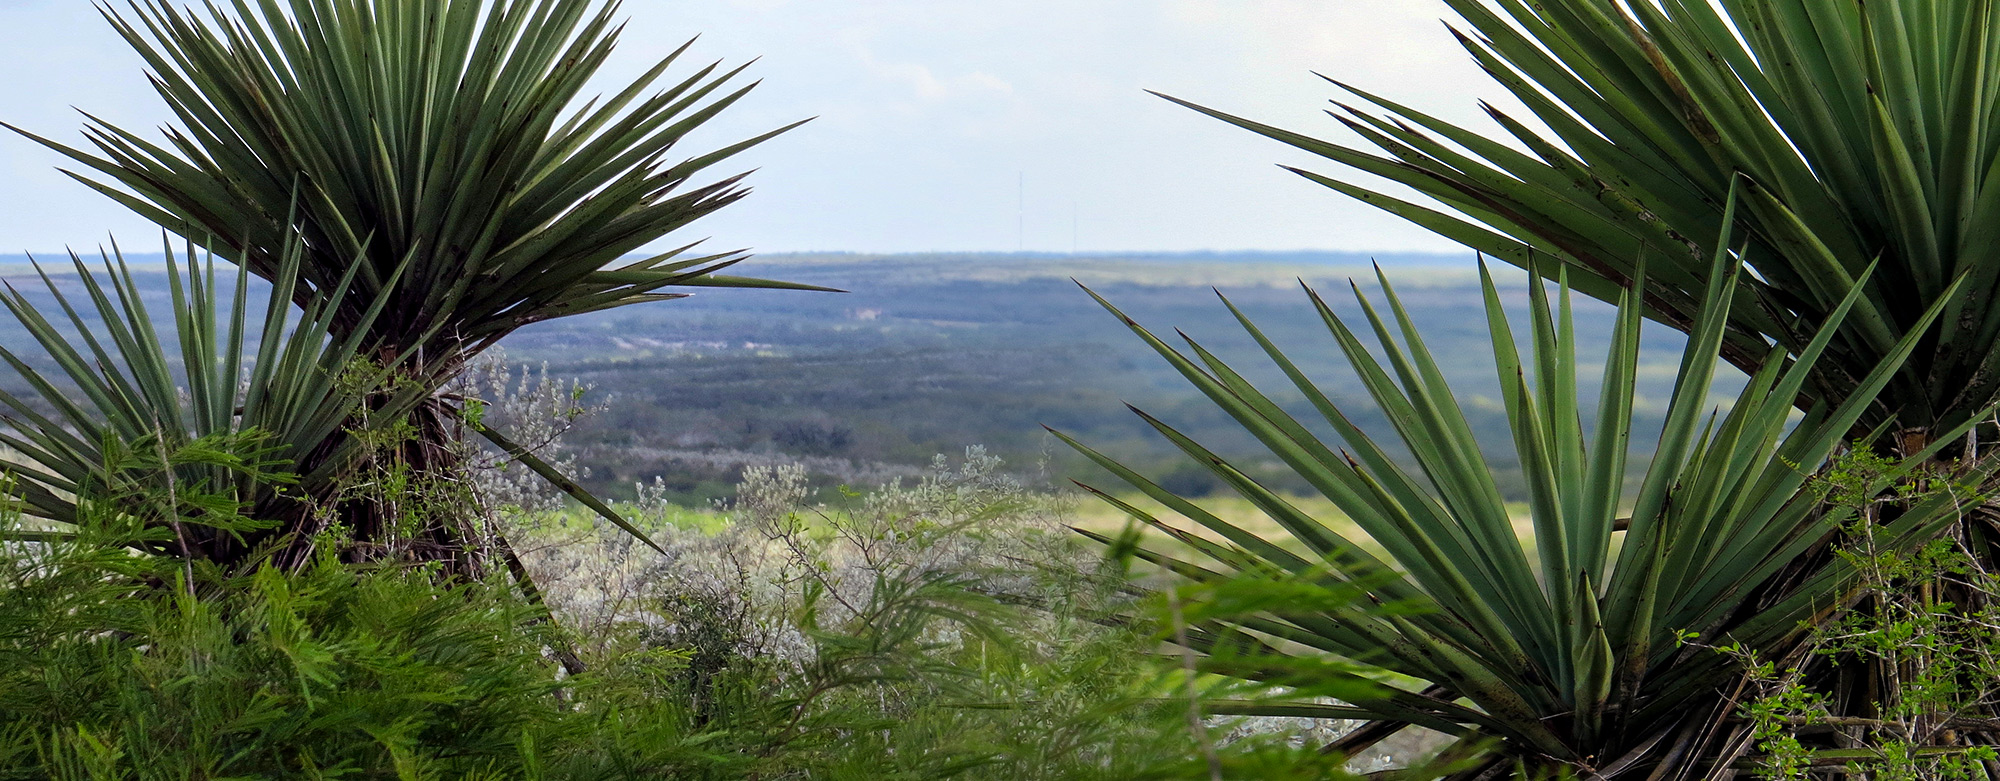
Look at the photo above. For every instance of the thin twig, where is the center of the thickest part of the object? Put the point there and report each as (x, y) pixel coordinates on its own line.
(174, 509)
(1196, 727)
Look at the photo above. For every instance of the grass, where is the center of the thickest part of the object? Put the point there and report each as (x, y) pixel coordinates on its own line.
(1104, 519)
(1085, 514)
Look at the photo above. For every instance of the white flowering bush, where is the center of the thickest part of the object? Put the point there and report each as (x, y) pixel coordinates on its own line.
(537, 410)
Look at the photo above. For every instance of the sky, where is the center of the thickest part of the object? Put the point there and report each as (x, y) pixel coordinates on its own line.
(942, 125)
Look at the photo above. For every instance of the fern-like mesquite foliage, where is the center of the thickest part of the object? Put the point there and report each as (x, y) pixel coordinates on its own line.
(433, 153)
(1559, 652)
(1867, 133)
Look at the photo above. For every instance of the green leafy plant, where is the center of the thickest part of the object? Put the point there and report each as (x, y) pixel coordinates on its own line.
(1861, 137)
(322, 670)
(447, 186)
(903, 652)
(1863, 134)
(315, 670)
(1925, 617)
(163, 430)
(1557, 653)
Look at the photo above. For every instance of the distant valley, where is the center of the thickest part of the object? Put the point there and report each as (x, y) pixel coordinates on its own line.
(929, 354)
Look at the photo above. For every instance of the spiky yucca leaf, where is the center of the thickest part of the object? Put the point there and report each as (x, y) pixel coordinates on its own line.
(1868, 133)
(439, 135)
(244, 390)
(1563, 647)
(436, 152)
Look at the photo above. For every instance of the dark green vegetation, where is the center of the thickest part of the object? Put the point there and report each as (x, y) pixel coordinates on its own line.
(1562, 647)
(1946, 657)
(251, 540)
(1802, 187)
(873, 645)
(266, 544)
(117, 422)
(1860, 133)
(427, 177)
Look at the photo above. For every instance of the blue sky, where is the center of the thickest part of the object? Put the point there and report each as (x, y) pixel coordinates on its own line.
(937, 118)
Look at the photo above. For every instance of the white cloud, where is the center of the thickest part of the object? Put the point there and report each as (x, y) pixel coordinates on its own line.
(925, 84)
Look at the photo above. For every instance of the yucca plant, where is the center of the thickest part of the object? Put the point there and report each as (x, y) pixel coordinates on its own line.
(1559, 653)
(184, 432)
(1866, 133)
(436, 152)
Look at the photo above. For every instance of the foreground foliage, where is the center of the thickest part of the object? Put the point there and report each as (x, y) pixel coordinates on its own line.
(424, 177)
(328, 673)
(1861, 138)
(159, 430)
(926, 635)
(1926, 616)
(1862, 133)
(1558, 652)
(1026, 680)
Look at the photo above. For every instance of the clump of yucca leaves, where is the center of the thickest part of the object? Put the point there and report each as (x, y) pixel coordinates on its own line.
(1861, 137)
(1862, 133)
(1555, 654)
(102, 429)
(422, 176)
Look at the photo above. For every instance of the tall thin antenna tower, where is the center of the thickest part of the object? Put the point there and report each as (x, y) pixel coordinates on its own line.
(1021, 213)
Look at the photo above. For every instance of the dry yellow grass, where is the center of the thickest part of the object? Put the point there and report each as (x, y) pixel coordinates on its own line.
(1103, 518)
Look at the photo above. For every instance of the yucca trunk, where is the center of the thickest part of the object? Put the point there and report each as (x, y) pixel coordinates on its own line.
(407, 498)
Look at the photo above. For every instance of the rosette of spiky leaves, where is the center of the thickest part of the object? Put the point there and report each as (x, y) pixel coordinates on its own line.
(445, 136)
(1561, 649)
(439, 142)
(1866, 132)
(193, 427)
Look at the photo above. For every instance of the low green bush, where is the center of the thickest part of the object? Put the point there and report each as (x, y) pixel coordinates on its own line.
(938, 631)
(112, 668)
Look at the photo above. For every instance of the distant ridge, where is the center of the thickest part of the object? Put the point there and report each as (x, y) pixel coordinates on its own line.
(854, 270)
(1302, 257)
(1151, 269)
(1289, 257)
